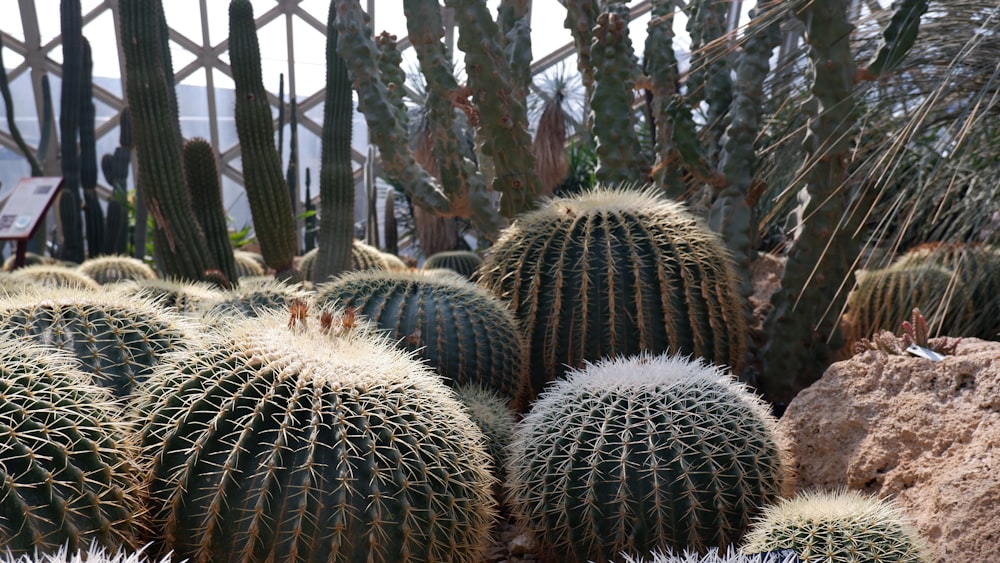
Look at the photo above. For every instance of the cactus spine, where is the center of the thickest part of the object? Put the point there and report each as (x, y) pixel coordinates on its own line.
(179, 240)
(616, 272)
(262, 177)
(336, 176)
(463, 332)
(315, 443)
(65, 480)
(202, 179)
(833, 527)
(636, 454)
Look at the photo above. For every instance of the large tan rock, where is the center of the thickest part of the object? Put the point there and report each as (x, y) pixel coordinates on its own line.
(924, 433)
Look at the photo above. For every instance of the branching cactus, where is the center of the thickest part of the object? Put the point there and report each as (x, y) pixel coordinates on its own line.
(66, 479)
(301, 439)
(617, 272)
(117, 339)
(264, 181)
(630, 455)
(463, 332)
(834, 527)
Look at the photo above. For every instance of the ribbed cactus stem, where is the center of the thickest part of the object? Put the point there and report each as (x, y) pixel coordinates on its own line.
(182, 247)
(460, 178)
(500, 116)
(897, 38)
(731, 213)
(202, 179)
(92, 211)
(514, 19)
(662, 78)
(356, 46)
(262, 176)
(619, 153)
(310, 220)
(709, 77)
(802, 326)
(581, 16)
(69, 123)
(336, 175)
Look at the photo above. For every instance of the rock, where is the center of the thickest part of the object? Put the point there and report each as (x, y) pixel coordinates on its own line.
(926, 434)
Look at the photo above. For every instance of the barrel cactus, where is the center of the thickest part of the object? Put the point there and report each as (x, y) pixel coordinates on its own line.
(115, 268)
(882, 299)
(93, 554)
(56, 275)
(178, 295)
(299, 439)
(249, 264)
(617, 272)
(65, 472)
(464, 333)
(116, 337)
(394, 263)
(462, 261)
(489, 410)
(635, 454)
(255, 296)
(838, 527)
(977, 270)
(30, 259)
(363, 257)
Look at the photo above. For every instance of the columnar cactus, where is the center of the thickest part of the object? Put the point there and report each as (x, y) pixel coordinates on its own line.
(263, 179)
(315, 442)
(641, 453)
(116, 338)
(202, 177)
(179, 240)
(834, 527)
(336, 173)
(616, 272)
(66, 478)
(465, 334)
(113, 269)
(461, 261)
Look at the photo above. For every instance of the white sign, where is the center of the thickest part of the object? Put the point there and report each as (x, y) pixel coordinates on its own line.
(26, 206)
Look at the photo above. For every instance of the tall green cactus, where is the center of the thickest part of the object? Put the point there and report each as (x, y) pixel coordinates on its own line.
(617, 272)
(66, 481)
(659, 64)
(336, 174)
(202, 179)
(93, 214)
(642, 453)
(464, 333)
(262, 177)
(179, 240)
(71, 26)
(619, 154)
(115, 168)
(315, 442)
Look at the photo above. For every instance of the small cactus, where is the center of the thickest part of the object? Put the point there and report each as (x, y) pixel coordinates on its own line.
(715, 556)
(462, 261)
(838, 527)
(464, 333)
(113, 269)
(617, 272)
(65, 472)
(249, 264)
(363, 257)
(289, 439)
(56, 275)
(254, 296)
(636, 454)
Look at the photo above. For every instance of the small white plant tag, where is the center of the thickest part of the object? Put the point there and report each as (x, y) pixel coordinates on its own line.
(922, 352)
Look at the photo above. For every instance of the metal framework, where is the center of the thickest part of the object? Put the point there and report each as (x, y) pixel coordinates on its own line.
(210, 56)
